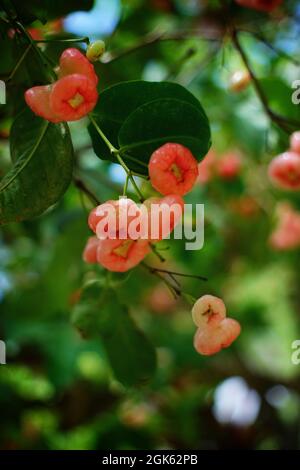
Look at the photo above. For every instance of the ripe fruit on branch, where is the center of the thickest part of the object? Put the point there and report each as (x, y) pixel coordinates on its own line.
(263, 5)
(121, 255)
(72, 96)
(295, 142)
(211, 339)
(73, 61)
(123, 218)
(95, 50)
(239, 80)
(38, 100)
(173, 169)
(112, 219)
(284, 171)
(215, 331)
(162, 215)
(208, 310)
(90, 250)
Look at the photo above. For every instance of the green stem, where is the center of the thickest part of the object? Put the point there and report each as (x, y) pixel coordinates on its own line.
(11, 75)
(41, 56)
(125, 186)
(133, 159)
(190, 299)
(140, 175)
(114, 151)
(131, 178)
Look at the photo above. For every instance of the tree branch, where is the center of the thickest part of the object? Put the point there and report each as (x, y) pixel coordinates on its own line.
(82, 187)
(287, 125)
(155, 38)
(270, 46)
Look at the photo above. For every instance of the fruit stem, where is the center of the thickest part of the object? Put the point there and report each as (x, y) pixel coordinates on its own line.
(156, 252)
(110, 146)
(114, 151)
(68, 40)
(125, 186)
(175, 291)
(136, 160)
(174, 273)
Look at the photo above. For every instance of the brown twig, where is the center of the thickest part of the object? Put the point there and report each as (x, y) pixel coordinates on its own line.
(287, 125)
(155, 38)
(175, 273)
(174, 289)
(156, 252)
(82, 187)
(270, 46)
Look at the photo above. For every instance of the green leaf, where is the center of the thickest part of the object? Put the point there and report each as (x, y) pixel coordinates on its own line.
(118, 102)
(42, 154)
(46, 10)
(161, 121)
(131, 355)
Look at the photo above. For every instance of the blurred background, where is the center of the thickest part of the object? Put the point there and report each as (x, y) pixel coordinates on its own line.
(57, 390)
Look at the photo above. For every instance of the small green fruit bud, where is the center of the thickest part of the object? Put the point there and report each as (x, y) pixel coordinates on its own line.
(95, 50)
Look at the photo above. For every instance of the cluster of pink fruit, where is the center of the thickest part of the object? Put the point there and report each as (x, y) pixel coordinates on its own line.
(214, 330)
(125, 230)
(70, 97)
(284, 170)
(226, 166)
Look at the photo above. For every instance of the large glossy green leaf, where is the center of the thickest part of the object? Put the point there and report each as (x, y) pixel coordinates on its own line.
(42, 154)
(116, 103)
(161, 121)
(131, 355)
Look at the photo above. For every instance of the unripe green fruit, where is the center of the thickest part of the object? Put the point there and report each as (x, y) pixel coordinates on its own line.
(95, 50)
